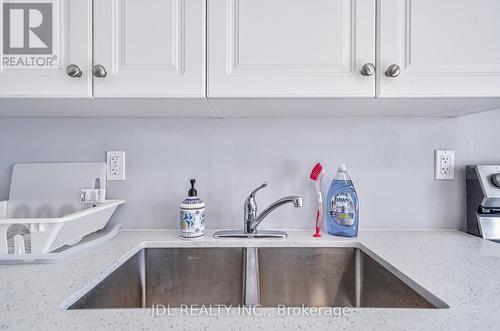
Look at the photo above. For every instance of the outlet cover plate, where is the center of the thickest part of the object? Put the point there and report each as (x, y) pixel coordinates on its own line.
(444, 164)
(115, 165)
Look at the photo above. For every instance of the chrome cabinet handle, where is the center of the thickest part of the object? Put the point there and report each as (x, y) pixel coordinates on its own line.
(393, 71)
(99, 71)
(73, 71)
(495, 179)
(368, 69)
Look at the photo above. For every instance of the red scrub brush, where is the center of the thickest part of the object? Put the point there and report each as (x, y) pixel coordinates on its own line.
(316, 176)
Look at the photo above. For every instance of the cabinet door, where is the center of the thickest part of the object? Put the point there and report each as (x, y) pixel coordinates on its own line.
(443, 48)
(40, 39)
(290, 48)
(150, 48)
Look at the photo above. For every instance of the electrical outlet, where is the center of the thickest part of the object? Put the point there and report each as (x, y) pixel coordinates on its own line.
(444, 164)
(115, 165)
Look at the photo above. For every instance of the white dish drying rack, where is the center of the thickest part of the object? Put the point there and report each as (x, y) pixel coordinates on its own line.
(51, 208)
(25, 236)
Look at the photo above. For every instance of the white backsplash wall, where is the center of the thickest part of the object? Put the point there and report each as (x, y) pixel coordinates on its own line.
(390, 160)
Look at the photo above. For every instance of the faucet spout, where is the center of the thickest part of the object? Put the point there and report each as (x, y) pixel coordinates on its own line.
(297, 203)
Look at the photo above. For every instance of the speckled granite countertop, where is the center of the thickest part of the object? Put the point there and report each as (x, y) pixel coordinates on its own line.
(461, 270)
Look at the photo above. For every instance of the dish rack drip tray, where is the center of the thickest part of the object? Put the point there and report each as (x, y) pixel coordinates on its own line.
(88, 242)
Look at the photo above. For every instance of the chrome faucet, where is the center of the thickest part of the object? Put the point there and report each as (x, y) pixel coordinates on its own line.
(252, 219)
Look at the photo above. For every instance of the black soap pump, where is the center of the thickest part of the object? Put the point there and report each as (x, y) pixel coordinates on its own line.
(192, 191)
(192, 221)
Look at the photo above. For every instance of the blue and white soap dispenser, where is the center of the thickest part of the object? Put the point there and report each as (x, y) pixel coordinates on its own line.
(192, 221)
(342, 206)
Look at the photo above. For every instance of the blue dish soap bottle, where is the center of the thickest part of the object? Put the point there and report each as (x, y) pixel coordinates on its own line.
(342, 206)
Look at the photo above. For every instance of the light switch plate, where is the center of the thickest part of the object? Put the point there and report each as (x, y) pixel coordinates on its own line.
(444, 164)
(115, 165)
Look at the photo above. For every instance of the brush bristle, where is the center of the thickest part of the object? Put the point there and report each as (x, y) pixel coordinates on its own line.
(316, 171)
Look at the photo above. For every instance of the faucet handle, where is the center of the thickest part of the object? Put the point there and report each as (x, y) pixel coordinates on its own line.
(251, 206)
(252, 195)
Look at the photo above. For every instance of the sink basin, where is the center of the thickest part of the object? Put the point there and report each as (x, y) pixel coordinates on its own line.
(171, 276)
(270, 277)
(338, 277)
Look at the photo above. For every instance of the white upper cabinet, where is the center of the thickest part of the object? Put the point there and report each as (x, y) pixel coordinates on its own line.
(444, 48)
(46, 48)
(151, 48)
(290, 48)
(249, 58)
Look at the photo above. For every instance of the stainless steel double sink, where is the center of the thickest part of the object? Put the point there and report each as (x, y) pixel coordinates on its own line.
(266, 276)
